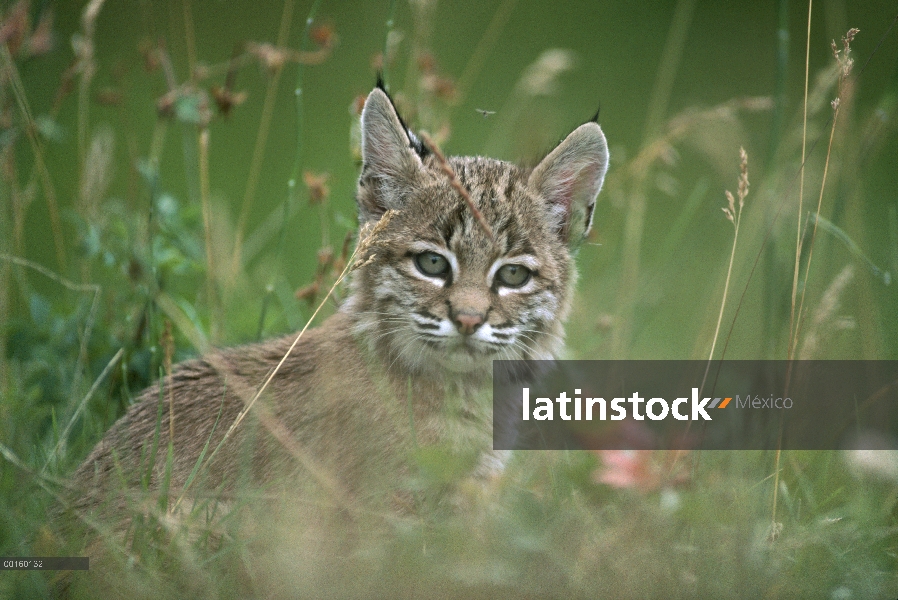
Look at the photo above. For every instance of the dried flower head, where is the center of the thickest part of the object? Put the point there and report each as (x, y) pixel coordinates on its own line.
(368, 239)
(308, 293)
(226, 99)
(848, 38)
(541, 77)
(325, 257)
(843, 55)
(324, 35)
(358, 103)
(109, 96)
(731, 210)
(41, 40)
(269, 56)
(151, 59)
(443, 88)
(14, 27)
(377, 62)
(186, 104)
(317, 186)
(427, 63)
(18, 37)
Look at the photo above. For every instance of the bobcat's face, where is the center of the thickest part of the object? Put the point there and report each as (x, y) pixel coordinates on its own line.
(439, 293)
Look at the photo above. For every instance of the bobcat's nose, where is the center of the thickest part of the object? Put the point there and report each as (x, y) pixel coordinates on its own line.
(468, 323)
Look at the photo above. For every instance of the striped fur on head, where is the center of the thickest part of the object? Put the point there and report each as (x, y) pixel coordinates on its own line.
(439, 294)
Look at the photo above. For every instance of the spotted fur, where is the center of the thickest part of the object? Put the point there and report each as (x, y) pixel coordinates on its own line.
(405, 360)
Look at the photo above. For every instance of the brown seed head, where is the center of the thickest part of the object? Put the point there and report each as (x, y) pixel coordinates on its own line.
(41, 40)
(14, 27)
(269, 56)
(743, 176)
(308, 293)
(358, 104)
(324, 35)
(325, 257)
(226, 99)
(317, 186)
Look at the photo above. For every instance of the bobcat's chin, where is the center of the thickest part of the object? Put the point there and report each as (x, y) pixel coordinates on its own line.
(466, 360)
(451, 357)
(466, 354)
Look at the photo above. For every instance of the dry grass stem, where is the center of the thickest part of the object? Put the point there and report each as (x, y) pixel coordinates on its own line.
(775, 528)
(456, 184)
(255, 169)
(683, 123)
(484, 46)
(84, 49)
(189, 36)
(203, 143)
(180, 319)
(804, 138)
(845, 63)
(733, 212)
(671, 57)
(64, 436)
(274, 57)
(40, 166)
(168, 350)
(75, 287)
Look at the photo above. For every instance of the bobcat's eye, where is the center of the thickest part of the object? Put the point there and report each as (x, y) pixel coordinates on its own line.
(432, 264)
(513, 275)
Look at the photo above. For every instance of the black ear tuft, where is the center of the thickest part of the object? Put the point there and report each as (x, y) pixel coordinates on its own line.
(595, 118)
(413, 141)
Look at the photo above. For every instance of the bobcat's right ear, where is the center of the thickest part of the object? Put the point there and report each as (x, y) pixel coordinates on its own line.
(390, 158)
(570, 178)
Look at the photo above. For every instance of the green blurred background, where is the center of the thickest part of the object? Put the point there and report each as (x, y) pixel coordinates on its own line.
(110, 209)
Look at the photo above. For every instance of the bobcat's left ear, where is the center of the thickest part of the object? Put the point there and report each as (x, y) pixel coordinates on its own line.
(391, 158)
(569, 179)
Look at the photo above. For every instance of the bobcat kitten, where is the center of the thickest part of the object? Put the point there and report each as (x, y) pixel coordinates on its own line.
(405, 362)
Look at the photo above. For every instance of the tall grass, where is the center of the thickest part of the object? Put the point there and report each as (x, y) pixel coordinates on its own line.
(137, 283)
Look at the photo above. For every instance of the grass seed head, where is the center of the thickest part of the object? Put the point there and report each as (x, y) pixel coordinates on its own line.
(743, 177)
(731, 211)
(368, 239)
(316, 183)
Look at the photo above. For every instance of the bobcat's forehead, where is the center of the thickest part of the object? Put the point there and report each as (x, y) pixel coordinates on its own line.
(518, 219)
